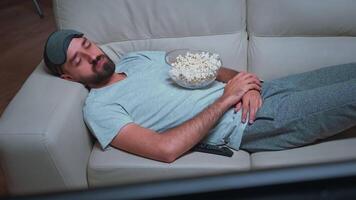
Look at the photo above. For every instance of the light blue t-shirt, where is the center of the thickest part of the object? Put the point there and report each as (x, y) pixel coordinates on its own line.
(149, 98)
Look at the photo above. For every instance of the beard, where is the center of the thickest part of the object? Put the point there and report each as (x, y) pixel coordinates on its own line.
(102, 76)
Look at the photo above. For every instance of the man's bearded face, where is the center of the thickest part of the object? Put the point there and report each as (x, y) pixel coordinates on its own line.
(103, 68)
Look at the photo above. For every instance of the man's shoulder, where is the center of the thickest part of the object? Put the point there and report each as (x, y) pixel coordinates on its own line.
(92, 102)
(96, 101)
(89, 105)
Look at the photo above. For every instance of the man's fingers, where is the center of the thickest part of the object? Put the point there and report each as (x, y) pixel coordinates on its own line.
(238, 106)
(248, 77)
(252, 77)
(252, 113)
(253, 86)
(245, 108)
(255, 81)
(245, 78)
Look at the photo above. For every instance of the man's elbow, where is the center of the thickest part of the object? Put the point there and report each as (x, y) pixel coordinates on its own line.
(169, 153)
(168, 158)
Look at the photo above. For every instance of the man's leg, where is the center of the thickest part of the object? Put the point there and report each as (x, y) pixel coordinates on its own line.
(318, 78)
(303, 116)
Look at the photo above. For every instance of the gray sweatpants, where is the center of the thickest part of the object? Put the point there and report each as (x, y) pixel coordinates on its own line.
(300, 109)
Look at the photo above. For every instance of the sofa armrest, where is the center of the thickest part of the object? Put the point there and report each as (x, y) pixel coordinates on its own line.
(44, 143)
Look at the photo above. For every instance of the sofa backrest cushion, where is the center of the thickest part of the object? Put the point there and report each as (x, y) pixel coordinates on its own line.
(162, 25)
(288, 36)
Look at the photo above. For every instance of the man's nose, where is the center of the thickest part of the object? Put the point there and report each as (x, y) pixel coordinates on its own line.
(90, 57)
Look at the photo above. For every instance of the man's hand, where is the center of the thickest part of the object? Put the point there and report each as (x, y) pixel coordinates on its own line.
(236, 87)
(250, 103)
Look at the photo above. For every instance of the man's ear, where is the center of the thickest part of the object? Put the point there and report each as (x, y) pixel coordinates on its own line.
(67, 77)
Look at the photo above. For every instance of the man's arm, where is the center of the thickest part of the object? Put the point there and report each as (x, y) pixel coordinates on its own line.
(171, 144)
(225, 74)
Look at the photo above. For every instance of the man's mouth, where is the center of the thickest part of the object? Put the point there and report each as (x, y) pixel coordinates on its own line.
(100, 63)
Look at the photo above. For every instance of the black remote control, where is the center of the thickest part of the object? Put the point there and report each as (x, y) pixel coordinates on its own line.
(213, 149)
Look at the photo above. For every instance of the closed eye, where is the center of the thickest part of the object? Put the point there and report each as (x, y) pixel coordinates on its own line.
(86, 43)
(77, 60)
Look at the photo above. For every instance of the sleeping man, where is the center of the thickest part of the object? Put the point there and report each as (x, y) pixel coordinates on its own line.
(134, 106)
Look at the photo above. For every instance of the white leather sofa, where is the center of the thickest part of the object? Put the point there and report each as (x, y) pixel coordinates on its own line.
(46, 147)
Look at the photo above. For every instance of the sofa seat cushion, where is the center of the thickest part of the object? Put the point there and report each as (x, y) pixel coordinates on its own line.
(327, 151)
(113, 167)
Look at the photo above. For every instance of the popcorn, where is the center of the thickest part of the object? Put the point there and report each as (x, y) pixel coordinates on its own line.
(195, 69)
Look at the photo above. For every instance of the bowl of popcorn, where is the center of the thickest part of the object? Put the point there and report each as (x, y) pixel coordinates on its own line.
(193, 69)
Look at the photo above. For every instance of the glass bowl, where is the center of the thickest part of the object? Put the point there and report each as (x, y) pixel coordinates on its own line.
(188, 72)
